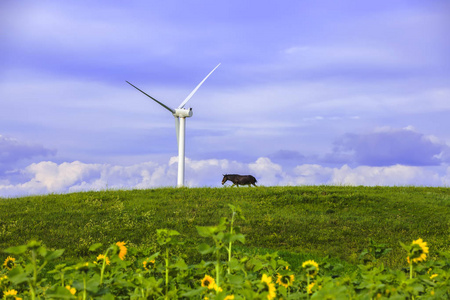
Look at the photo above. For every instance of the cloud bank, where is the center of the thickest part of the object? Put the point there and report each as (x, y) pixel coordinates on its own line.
(49, 177)
(385, 156)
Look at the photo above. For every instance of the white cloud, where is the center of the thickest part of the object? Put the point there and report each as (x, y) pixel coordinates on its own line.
(266, 171)
(49, 177)
(56, 178)
(390, 176)
(310, 174)
(397, 175)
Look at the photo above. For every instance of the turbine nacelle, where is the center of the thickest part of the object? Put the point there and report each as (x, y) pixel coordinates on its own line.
(183, 113)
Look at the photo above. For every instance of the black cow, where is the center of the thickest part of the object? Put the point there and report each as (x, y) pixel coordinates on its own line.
(239, 179)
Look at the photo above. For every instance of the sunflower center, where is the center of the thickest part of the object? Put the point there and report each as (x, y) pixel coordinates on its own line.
(417, 252)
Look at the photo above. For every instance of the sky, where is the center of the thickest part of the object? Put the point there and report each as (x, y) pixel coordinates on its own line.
(307, 93)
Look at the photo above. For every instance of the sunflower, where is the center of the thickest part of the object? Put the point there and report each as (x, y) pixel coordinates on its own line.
(100, 258)
(208, 282)
(418, 252)
(309, 287)
(285, 280)
(12, 293)
(148, 264)
(229, 297)
(272, 291)
(123, 250)
(311, 267)
(9, 263)
(72, 290)
(82, 267)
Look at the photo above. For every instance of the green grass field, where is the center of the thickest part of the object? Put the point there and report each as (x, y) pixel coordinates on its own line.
(314, 221)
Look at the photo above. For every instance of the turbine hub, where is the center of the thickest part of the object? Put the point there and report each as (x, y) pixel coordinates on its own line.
(183, 112)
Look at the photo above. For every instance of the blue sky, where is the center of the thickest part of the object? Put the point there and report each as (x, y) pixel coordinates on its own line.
(308, 92)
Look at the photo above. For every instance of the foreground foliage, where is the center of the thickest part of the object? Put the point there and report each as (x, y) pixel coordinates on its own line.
(121, 272)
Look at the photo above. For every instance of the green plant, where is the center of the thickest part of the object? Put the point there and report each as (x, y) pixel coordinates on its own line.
(132, 274)
(223, 236)
(34, 257)
(167, 238)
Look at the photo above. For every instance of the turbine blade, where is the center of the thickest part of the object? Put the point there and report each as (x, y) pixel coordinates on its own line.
(196, 88)
(162, 104)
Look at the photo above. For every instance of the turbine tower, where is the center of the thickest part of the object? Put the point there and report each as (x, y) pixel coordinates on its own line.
(180, 113)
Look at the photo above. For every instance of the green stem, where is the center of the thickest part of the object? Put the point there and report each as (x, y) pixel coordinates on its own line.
(33, 254)
(218, 261)
(307, 287)
(218, 269)
(103, 267)
(84, 287)
(62, 279)
(410, 270)
(33, 294)
(41, 267)
(33, 282)
(231, 233)
(167, 272)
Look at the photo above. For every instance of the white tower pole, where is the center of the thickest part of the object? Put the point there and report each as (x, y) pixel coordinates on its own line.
(182, 132)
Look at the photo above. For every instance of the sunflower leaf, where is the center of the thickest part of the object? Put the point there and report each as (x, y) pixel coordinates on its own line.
(194, 293)
(180, 264)
(95, 247)
(16, 250)
(54, 254)
(17, 275)
(205, 248)
(59, 292)
(206, 231)
(236, 279)
(238, 237)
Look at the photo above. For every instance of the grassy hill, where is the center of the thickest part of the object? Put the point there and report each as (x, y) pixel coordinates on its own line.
(337, 221)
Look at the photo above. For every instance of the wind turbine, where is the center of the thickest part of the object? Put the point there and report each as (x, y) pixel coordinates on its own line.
(180, 113)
